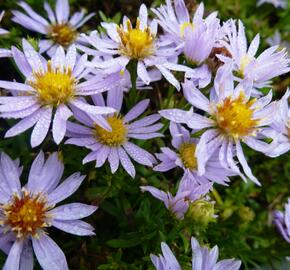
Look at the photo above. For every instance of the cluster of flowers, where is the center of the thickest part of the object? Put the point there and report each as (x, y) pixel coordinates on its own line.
(69, 88)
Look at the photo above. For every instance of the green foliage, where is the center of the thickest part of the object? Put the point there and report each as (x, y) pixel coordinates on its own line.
(129, 224)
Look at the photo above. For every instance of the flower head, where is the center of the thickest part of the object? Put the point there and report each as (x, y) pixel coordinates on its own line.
(197, 37)
(114, 145)
(137, 43)
(59, 29)
(269, 64)
(232, 117)
(27, 213)
(189, 191)
(281, 127)
(184, 157)
(282, 221)
(202, 259)
(4, 52)
(275, 3)
(53, 85)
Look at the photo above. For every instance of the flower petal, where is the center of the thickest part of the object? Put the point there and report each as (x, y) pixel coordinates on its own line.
(48, 253)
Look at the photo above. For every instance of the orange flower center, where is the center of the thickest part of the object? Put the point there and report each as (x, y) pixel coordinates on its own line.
(25, 215)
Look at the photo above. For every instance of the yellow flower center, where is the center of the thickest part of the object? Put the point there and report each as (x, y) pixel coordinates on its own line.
(113, 138)
(63, 34)
(25, 215)
(184, 26)
(54, 86)
(187, 155)
(235, 116)
(135, 42)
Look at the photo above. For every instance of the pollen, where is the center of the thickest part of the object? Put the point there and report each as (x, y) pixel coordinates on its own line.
(187, 155)
(26, 214)
(54, 86)
(136, 43)
(63, 34)
(235, 116)
(184, 26)
(114, 138)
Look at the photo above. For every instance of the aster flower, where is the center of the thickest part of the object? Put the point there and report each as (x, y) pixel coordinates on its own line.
(3, 52)
(115, 145)
(269, 64)
(59, 28)
(276, 39)
(184, 157)
(281, 125)
(176, 21)
(50, 86)
(27, 212)
(232, 117)
(196, 38)
(189, 191)
(140, 43)
(202, 259)
(275, 3)
(282, 221)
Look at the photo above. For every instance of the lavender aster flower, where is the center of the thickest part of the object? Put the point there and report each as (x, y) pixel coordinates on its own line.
(50, 85)
(231, 117)
(275, 3)
(184, 157)
(276, 39)
(282, 221)
(261, 69)
(27, 212)
(3, 52)
(281, 125)
(188, 192)
(195, 38)
(175, 21)
(139, 43)
(115, 145)
(202, 259)
(59, 29)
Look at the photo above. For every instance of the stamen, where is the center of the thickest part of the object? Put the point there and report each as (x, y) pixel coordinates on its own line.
(113, 138)
(25, 215)
(187, 155)
(63, 34)
(54, 86)
(235, 116)
(135, 42)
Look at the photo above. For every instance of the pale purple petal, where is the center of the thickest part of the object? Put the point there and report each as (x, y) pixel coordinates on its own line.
(59, 122)
(48, 253)
(62, 11)
(72, 211)
(136, 111)
(126, 162)
(66, 188)
(13, 259)
(24, 124)
(139, 155)
(76, 227)
(41, 128)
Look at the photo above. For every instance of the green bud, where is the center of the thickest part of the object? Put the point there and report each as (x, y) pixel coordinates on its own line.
(227, 213)
(246, 214)
(201, 212)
